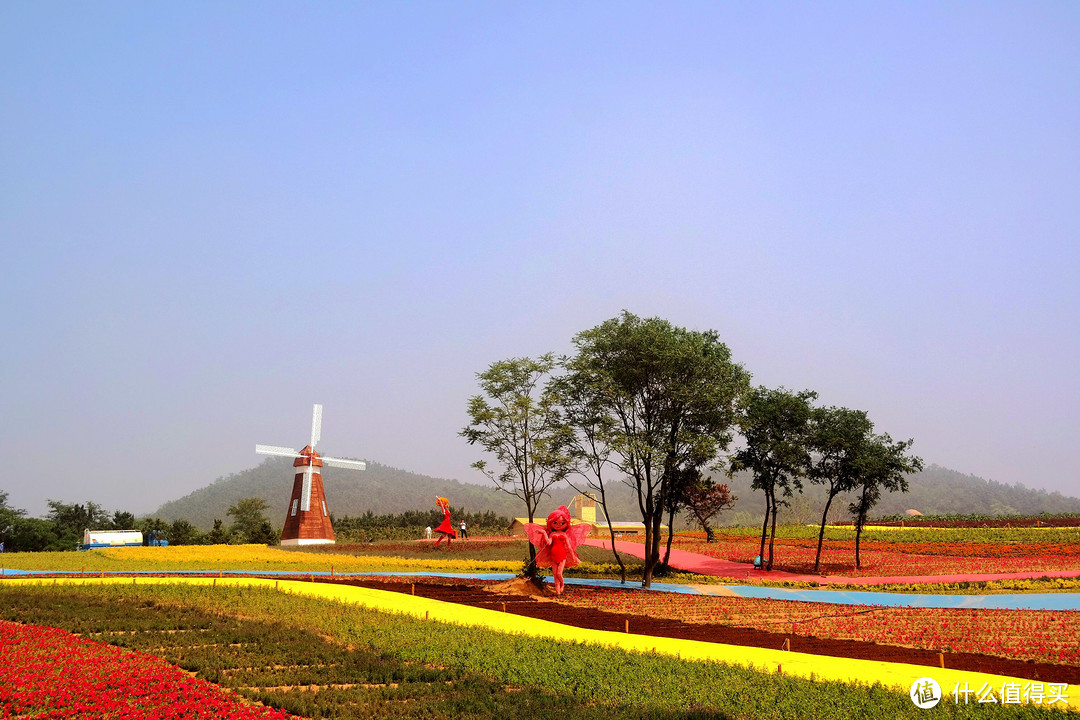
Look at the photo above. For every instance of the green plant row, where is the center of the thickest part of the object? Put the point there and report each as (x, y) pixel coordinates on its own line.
(411, 524)
(1011, 536)
(971, 517)
(396, 666)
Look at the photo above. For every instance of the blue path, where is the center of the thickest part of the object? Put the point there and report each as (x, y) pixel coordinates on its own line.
(1034, 601)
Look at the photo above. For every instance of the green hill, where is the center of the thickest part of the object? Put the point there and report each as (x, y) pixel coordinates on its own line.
(934, 491)
(384, 489)
(380, 489)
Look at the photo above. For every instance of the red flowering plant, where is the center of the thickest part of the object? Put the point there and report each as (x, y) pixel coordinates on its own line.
(1036, 635)
(50, 673)
(893, 558)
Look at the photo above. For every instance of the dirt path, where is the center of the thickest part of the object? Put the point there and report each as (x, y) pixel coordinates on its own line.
(475, 596)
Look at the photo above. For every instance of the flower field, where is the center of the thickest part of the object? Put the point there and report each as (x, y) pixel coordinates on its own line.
(1036, 635)
(50, 673)
(950, 554)
(326, 660)
(348, 663)
(211, 558)
(388, 558)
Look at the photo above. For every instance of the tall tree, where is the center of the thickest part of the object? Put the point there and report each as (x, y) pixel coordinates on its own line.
(30, 534)
(838, 441)
(671, 395)
(250, 523)
(182, 532)
(589, 445)
(517, 420)
(883, 465)
(8, 517)
(704, 501)
(71, 519)
(122, 520)
(218, 535)
(775, 425)
(681, 486)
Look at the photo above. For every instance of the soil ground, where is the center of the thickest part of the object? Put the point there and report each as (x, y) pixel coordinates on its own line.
(540, 607)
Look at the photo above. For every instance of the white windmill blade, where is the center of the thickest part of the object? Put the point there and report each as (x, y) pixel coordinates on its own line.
(276, 451)
(316, 424)
(338, 462)
(305, 489)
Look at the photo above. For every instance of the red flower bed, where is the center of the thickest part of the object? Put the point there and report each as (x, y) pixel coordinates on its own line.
(893, 558)
(1037, 635)
(50, 673)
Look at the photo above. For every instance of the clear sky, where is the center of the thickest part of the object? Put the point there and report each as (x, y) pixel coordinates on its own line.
(213, 215)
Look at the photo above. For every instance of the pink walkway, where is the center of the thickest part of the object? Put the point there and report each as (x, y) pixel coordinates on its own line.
(705, 565)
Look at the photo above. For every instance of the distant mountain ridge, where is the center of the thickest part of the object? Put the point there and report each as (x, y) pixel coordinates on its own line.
(380, 488)
(384, 489)
(934, 491)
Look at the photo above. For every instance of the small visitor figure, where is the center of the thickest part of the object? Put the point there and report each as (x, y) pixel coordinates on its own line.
(556, 543)
(464, 531)
(427, 532)
(445, 529)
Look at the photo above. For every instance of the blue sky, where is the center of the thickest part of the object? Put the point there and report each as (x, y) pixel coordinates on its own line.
(216, 214)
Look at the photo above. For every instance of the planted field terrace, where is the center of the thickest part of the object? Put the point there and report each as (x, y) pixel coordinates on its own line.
(316, 657)
(1037, 636)
(504, 556)
(900, 551)
(50, 673)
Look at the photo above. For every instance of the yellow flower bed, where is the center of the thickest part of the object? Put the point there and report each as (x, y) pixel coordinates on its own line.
(240, 557)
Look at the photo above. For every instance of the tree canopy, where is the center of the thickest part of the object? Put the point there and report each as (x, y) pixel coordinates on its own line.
(671, 395)
(883, 464)
(249, 522)
(839, 439)
(517, 419)
(775, 426)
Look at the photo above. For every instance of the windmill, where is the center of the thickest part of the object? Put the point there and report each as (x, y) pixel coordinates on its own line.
(308, 518)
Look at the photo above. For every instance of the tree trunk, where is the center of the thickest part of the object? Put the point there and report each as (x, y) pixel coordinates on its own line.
(858, 533)
(859, 521)
(530, 571)
(821, 532)
(611, 532)
(709, 537)
(670, 534)
(765, 525)
(647, 516)
(654, 550)
(772, 535)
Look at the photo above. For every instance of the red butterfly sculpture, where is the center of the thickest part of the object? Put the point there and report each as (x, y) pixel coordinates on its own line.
(556, 543)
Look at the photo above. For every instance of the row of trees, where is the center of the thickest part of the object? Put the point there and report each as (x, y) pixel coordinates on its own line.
(410, 524)
(62, 527)
(788, 440)
(656, 406)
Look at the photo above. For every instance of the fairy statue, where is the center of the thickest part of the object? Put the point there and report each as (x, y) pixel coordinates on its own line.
(445, 530)
(556, 543)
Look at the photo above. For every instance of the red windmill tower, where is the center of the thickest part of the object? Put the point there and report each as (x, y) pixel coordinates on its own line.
(308, 519)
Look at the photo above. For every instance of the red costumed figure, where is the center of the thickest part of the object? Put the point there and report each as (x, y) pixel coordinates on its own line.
(446, 530)
(556, 543)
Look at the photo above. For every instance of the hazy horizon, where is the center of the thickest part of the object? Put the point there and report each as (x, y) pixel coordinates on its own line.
(215, 215)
